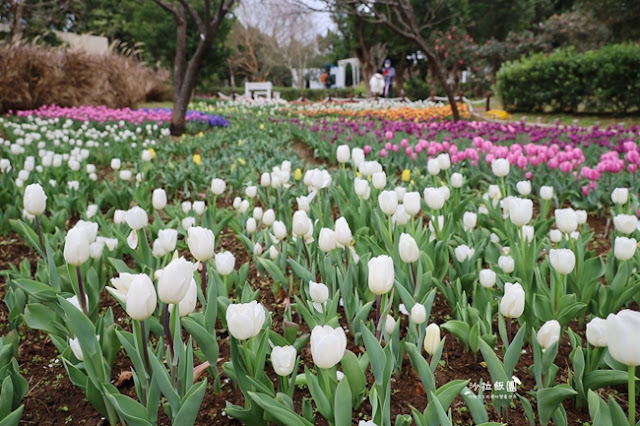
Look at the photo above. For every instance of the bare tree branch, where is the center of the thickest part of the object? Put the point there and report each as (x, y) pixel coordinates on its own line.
(194, 15)
(168, 7)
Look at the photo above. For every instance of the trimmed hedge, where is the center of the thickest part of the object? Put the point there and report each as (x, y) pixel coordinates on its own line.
(597, 81)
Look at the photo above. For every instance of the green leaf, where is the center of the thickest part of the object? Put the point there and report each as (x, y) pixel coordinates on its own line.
(164, 383)
(342, 403)
(377, 357)
(13, 419)
(356, 378)
(442, 417)
(549, 399)
(39, 317)
(476, 406)
(40, 291)
(422, 367)
(190, 405)
(274, 271)
(131, 410)
(278, 410)
(205, 340)
(302, 272)
(321, 400)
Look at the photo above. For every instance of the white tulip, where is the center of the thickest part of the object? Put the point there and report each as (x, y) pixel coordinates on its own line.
(388, 202)
(76, 247)
(319, 292)
(512, 303)
(408, 248)
(279, 230)
(159, 199)
(300, 223)
(343, 232)
(487, 278)
(411, 202)
(548, 334)
(464, 252)
(269, 217)
(218, 186)
(201, 242)
(283, 359)
(506, 263)
(433, 166)
(469, 220)
(381, 274)
(625, 223)
(500, 167)
(225, 262)
(432, 338)
(175, 279)
(245, 320)
(444, 161)
(520, 211)
(623, 337)
(136, 218)
(342, 153)
(141, 298)
(434, 198)
(327, 345)
(327, 240)
(555, 235)
(418, 313)
(566, 220)
(34, 200)
(251, 225)
(457, 180)
(199, 207)
(546, 192)
(620, 195)
(624, 248)
(524, 187)
(597, 332)
(389, 324)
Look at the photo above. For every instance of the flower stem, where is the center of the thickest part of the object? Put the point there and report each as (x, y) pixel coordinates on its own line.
(40, 234)
(632, 395)
(415, 279)
(167, 329)
(83, 299)
(378, 303)
(145, 349)
(508, 330)
(203, 279)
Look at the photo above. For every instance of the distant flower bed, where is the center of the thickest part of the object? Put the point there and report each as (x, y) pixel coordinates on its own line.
(102, 114)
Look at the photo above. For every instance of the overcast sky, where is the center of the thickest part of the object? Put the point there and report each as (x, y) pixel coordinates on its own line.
(251, 11)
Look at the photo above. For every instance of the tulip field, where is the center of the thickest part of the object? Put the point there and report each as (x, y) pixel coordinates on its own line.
(302, 264)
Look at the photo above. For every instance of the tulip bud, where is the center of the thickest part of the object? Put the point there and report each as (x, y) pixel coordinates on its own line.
(620, 195)
(95, 249)
(444, 161)
(343, 232)
(265, 180)
(175, 279)
(279, 230)
(400, 193)
(116, 163)
(251, 191)
(624, 248)
(300, 223)
(500, 167)
(199, 207)
(464, 252)
(507, 264)
(361, 188)
(251, 225)
(126, 175)
(76, 247)
(625, 223)
(188, 222)
(327, 345)
(432, 338)
(75, 348)
(257, 213)
(622, 337)
(283, 359)
(342, 153)
(379, 180)
(520, 211)
(546, 192)
(118, 216)
(273, 252)
(34, 200)
(141, 298)
(566, 220)
(388, 202)
(303, 204)
(434, 198)
(257, 249)
(457, 180)
(357, 156)
(381, 274)
(269, 217)
(327, 240)
(512, 303)
(487, 278)
(524, 187)
(218, 186)
(597, 332)
(549, 333)
(469, 220)
(581, 216)
(418, 313)
(411, 202)
(186, 207)
(555, 235)
(408, 248)
(562, 260)
(159, 199)
(201, 242)
(528, 233)
(389, 324)
(225, 262)
(319, 292)
(245, 320)
(433, 166)
(136, 218)
(400, 217)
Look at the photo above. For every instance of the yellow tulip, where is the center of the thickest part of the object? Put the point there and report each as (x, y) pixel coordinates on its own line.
(298, 174)
(406, 175)
(152, 152)
(197, 159)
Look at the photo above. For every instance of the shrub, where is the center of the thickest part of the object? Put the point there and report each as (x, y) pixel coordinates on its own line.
(34, 76)
(598, 81)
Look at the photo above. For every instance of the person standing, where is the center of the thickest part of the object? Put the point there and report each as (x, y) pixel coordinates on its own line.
(389, 74)
(377, 84)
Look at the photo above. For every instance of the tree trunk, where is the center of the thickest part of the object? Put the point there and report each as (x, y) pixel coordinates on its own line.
(180, 102)
(436, 69)
(16, 22)
(368, 68)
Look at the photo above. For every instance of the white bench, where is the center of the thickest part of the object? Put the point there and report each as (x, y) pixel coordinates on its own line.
(258, 89)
